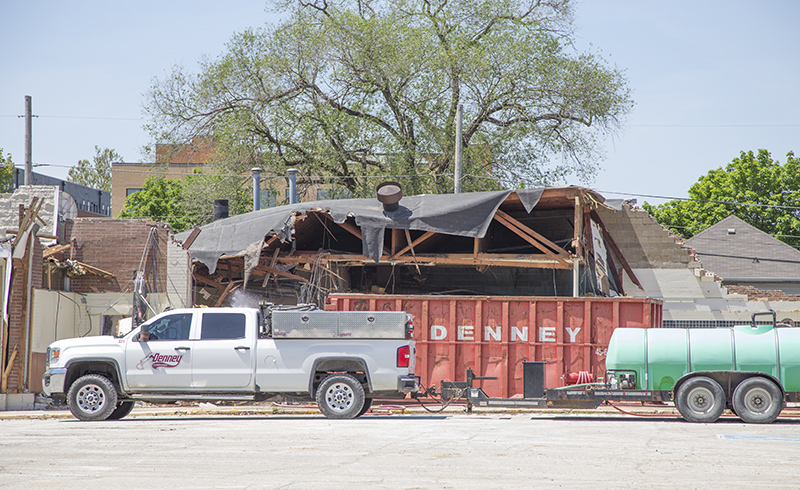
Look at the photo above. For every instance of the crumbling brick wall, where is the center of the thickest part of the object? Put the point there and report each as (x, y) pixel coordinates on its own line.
(17, 309)
(118, 246)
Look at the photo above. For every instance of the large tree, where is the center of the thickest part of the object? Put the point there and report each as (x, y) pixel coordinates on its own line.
(6, 172)
(97, 173)
(754, 187)
(353, 88)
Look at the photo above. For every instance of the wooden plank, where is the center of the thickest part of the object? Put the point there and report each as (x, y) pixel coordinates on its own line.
(191, 238)
(225, 293)
(271, 264)
(613, 245)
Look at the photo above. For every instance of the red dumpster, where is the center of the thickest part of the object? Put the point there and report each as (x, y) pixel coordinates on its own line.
(494, 335)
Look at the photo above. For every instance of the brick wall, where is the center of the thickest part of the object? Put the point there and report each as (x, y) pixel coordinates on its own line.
(16, 311)
(118, 246)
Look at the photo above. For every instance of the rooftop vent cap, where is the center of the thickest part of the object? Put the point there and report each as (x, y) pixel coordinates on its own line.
(390, 193)
(731, 231)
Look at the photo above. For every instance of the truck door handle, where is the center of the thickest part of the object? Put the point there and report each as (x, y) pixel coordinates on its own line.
(183, 348)
(241, 347)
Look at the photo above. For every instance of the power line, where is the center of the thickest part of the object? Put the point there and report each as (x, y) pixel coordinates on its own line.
(733, 203)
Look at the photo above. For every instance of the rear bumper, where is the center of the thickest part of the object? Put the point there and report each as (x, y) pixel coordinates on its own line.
(408, 384)
(53, 381)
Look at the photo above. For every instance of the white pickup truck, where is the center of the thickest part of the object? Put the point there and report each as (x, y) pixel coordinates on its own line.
(343, 360)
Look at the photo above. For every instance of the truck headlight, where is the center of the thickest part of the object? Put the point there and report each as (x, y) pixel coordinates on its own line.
(53, 355)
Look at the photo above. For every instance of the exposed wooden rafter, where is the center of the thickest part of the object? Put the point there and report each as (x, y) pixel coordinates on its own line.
(537, 240)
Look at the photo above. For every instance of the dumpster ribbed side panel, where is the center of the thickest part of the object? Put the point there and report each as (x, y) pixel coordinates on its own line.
(495, 335)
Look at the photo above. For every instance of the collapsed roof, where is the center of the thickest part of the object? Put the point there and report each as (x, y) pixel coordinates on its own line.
(544, 228)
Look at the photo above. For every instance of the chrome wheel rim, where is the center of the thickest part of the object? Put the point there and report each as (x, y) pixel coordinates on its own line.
(91, 398)
(339, 397)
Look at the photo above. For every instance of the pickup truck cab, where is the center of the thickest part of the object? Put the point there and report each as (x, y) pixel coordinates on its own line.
(343, 360)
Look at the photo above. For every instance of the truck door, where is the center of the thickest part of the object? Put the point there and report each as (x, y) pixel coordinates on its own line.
(223, 356)
(164, 361)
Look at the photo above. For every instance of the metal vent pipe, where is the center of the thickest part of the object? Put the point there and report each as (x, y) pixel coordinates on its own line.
(292, 186)
(256, 188)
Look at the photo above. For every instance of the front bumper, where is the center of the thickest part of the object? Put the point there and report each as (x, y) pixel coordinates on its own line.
(53, 381)
(408, 384)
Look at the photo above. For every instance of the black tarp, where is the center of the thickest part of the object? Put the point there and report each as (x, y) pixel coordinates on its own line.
(467, 214)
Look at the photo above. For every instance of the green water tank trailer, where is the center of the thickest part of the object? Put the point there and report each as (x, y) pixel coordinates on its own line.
(750, 369)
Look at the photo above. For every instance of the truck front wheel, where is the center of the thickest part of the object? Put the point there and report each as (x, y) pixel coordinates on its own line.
(92, 397)
(757, 401)
(340, 396)
(123, 408)
(700, 399)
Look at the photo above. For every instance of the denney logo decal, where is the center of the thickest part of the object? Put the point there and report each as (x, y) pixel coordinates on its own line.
(160, 360)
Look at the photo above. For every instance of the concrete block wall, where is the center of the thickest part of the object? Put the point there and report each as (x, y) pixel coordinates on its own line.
(117, 246)
(645, 243)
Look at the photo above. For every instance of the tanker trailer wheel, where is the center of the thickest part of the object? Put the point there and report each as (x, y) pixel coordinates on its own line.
(757, 401)
(92, 397)
(123, 409)
(700, 399)
(340, 396)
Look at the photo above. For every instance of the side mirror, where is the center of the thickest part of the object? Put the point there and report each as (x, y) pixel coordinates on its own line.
(144, 333)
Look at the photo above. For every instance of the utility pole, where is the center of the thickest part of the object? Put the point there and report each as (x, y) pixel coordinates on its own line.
(28, 145)
(457, 176)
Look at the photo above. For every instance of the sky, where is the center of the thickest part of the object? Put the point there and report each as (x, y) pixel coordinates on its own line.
(709, 79)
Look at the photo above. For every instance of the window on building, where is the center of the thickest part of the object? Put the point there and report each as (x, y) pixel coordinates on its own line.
(128, 192)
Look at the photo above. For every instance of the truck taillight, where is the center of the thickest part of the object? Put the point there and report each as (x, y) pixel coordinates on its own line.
(409, 327)
(404, 356)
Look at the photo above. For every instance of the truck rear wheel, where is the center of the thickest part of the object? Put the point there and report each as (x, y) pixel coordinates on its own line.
(92, 397)
(366, 407)
(700, 399)
(340, 396)
(757, 401)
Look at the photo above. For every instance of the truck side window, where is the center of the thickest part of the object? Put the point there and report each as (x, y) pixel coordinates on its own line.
(223, 326)
(172, 327)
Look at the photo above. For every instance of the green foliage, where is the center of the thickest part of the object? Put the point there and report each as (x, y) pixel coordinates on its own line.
(160, 200)
(749, 179)
(353, 91)
(199, 190)
(95, 174)
(188, 202)
(6, 172)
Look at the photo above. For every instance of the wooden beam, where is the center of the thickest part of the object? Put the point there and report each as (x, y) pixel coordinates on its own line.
(413, 244)
(500, 260)
(278, 272)
(205, 280)
(613, 245)
(532, 237)
(271, 264)
(55, 249)
(94, 270)
(354, 230)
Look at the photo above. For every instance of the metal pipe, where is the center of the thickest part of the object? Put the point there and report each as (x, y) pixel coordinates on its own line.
(256, 188)
(292, 186)
(457, 174)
